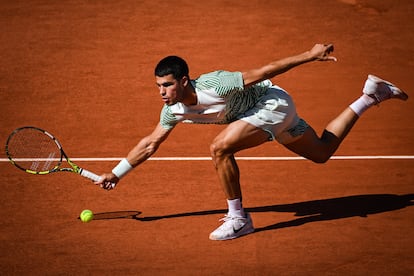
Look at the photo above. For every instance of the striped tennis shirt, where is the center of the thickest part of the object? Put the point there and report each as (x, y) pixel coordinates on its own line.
(221, 99)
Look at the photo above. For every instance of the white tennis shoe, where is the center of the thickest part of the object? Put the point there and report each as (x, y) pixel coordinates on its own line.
(233, 227)
(381, 90)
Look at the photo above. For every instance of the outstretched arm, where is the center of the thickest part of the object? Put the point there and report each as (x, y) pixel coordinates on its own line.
(141, 152)
(318, 52)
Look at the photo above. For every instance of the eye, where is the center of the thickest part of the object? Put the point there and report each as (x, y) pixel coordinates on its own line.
(166, 84)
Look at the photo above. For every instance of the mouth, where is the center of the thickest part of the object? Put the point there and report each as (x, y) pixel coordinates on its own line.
(168, 101)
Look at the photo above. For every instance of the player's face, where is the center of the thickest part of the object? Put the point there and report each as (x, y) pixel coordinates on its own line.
(171, 90)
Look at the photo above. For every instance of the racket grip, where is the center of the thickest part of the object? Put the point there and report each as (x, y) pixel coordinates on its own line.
(92, 176)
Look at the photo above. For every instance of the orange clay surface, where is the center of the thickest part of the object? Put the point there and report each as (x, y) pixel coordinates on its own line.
(83, 70)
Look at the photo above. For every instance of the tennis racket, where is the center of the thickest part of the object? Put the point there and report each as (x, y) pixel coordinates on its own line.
(36, 151)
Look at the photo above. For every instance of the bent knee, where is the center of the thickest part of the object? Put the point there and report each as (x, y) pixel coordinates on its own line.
(320, 159)
(219, 148)
(215, 149)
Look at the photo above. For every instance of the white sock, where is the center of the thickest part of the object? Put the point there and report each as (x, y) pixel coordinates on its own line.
(362, 104)
(235, 208)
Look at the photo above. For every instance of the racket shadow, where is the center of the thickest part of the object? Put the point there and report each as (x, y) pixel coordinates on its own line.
(116, 215)
(180, 215)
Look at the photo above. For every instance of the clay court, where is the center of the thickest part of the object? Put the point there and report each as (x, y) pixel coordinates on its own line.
(83, 70)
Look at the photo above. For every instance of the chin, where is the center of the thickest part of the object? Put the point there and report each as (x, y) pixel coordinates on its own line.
(171, 102)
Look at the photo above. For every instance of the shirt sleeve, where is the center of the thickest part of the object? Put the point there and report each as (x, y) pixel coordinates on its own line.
(223, 82)
(167, 119)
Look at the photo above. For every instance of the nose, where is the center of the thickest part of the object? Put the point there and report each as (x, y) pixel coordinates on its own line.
(162, 90)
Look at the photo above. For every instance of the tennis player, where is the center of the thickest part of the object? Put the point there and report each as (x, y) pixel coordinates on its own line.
(256, 111)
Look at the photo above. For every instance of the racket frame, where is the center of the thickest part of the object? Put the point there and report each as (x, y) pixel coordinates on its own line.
(74, 168)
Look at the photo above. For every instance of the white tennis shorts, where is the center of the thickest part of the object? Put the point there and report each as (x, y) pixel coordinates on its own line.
(275, 113)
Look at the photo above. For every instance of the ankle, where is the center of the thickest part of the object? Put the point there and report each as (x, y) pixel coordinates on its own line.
(362, 104)
(235, 208)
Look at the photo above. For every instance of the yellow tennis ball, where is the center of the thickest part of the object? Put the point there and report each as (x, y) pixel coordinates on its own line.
(86, 216)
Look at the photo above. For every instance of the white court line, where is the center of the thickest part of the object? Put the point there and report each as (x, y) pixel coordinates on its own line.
(248, 158)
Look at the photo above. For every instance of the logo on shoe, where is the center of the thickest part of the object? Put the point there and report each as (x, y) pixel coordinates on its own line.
(238, 230)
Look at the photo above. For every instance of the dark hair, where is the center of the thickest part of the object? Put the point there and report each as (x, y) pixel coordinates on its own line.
(172, 65)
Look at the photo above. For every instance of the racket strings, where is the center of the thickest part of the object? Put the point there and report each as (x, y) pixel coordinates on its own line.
(34, 150)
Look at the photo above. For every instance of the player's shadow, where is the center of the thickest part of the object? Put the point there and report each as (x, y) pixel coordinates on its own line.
(317, 210)
(336, 208)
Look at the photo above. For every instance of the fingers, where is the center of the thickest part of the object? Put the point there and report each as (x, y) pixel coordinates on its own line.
(323, 52)
(329, 48)
(108, 185)
(331, 58)
(107, 182)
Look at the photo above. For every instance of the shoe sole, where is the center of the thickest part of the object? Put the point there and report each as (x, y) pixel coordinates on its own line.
(240, 234)
(399, 93)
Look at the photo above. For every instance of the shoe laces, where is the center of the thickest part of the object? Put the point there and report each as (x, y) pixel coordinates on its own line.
(230, 221)
(385, 92)
(228, 217)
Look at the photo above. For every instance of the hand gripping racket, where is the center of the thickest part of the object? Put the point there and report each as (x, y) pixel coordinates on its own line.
(36, 151)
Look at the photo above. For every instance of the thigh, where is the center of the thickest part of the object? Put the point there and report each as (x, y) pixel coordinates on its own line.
(310, 146)
(274, 112)
(240, 135)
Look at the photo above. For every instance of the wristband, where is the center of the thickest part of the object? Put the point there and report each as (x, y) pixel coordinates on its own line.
(122, 168)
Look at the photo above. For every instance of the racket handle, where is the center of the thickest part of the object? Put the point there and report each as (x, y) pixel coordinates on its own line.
(92, 176)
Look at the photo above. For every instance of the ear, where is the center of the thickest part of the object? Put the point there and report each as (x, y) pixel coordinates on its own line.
(184, 81)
